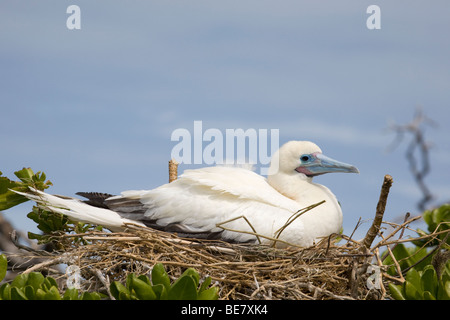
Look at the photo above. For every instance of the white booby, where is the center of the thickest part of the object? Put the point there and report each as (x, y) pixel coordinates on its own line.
(212, 202)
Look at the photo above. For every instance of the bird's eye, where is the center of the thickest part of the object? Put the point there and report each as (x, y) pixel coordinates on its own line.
(305, 158)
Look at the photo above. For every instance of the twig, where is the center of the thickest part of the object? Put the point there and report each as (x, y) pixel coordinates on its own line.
(173, 170)
(277, 233)
(220, 225)
(121, 238)
(400, 228)
(397, 265)
(312, 288)
(382, 243)
(104, 281)
(154, 261)
(356, 227)
(381, 206)
(354, 278)
(295, 216)
(15, 241)
(44, 264)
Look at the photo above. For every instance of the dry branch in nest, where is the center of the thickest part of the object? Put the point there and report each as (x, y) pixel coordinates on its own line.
(328, 270)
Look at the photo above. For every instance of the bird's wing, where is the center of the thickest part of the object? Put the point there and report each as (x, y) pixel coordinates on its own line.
(240, 182)
(202, 198)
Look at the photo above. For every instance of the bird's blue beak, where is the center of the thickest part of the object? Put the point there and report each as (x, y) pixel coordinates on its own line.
(320, 164)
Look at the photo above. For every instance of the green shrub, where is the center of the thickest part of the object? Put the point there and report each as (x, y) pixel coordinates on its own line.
(426, 278)
(34, 286)
(186, 287)
(422, 285)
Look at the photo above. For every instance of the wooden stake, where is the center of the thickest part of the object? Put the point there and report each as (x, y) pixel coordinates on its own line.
(381, 206)
(173, 170)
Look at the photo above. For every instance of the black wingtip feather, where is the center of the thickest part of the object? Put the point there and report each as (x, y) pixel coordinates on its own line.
(96, 199)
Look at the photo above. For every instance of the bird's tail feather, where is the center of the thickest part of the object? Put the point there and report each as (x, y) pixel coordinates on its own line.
(77, 210)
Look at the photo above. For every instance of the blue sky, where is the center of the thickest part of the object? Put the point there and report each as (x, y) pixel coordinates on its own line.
(95, 108)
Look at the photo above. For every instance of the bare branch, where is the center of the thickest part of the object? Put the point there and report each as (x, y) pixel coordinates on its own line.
(373, 231)
(419, 169)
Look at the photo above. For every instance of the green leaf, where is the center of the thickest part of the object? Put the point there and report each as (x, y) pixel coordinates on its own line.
(411, 292)
(48, 221)
(125, 296)
(35, 279)
(429, 280)
(25, 175)
(184, 288)
(30, 292)
(209, 294)
(129, 281)
(427, 217)
(49, 282)
(428, 296)
(145, 279)
(396, 292)
(160, 291)
(90, 296)
(8, 198)
(3, 266)
(40, 294)
(447, 289)
(160, 276)
(413, 277)
(400, 252)
(194, 274)
(52, 294)
(412, 285)
(407, 257)
(443, 290)
(71, 294)
(437, 220)
(205, 284)
(98, 296)
(17, 294)
(20, 281)
(119, 291)
(143, 290)
(5, 291)
(27, 179)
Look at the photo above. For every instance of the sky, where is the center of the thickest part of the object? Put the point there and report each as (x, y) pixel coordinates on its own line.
(94, 108)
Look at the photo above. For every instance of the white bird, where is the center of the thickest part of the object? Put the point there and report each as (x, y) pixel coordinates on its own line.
(228, 203)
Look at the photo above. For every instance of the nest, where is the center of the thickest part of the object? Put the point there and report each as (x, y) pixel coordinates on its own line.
(336, 268)
(325, 271)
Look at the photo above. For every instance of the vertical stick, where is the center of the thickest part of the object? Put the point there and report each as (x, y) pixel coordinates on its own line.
(381, 206)
(173, 170)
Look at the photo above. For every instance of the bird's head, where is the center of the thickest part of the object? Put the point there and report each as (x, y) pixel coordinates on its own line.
(305, 158)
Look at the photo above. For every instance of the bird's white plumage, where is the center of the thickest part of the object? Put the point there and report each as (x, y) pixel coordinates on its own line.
(203, 198)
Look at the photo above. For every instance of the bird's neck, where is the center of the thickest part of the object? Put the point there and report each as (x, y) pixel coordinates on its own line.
(325, 219)
(291, 185)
